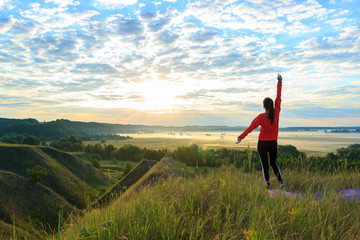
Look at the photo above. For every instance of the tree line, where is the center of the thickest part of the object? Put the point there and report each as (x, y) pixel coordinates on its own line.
(193, 155)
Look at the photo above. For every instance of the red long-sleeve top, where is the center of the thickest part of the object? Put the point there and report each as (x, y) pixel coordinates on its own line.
(268, 131)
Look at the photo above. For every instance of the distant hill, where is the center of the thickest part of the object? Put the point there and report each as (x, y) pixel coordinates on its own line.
(63, 128)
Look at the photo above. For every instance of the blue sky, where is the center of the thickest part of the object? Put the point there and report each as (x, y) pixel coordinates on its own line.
(180, 62)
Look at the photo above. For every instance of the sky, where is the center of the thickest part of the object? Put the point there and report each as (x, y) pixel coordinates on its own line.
(179, 62)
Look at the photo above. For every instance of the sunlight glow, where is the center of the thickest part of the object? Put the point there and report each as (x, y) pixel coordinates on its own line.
(159, 95)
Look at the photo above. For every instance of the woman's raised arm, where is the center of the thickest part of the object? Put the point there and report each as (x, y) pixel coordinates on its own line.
(278, 94)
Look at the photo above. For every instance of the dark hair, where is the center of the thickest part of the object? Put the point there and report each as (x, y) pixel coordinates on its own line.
(269, 106)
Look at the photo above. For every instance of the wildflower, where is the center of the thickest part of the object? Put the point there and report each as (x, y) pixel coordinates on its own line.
(292, 214)
(249, 235)
(223, 183)
(84, 229)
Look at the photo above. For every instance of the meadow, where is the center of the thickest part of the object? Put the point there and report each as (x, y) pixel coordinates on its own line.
(226, 203)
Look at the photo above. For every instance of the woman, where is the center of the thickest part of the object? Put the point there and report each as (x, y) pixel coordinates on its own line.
(269, 122)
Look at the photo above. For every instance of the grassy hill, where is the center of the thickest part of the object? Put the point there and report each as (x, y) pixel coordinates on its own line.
(227, 203)
(68, 176)
(71, 183)
(164, 169)
(33, 205)
(81, 169)
(131, 178)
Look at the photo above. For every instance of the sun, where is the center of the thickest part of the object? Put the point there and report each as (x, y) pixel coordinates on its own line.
(158, 95)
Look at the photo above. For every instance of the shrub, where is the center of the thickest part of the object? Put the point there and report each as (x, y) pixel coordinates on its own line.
(31, 140)
(95, 163)
(127, 168)
(36, 173)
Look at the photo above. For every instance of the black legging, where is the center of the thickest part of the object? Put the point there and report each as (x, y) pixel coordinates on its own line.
(265, 147)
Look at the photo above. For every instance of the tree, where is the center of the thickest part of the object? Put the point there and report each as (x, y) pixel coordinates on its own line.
(95, 163)
(36, 173)
(189, 155)
(127, 168)
(31, 140)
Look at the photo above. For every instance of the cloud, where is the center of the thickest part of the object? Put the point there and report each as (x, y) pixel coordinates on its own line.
(203, 36)
(157, 24)
(167, 37)
(63, 3)
(127, 27)
(221, 56)
(114, 3)
(337, 21)
(5, 4)
(5, 24)
(93, 68)
(147, 16)
(57, 17)
(53, 48)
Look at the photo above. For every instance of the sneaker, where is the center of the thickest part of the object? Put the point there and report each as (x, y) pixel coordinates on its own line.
(282, 184)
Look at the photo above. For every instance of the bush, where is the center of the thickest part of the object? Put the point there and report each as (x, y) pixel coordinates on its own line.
(31, 140)
(127, 168)
(189, 155)
(95, 156)
(36, 173)
(95, 163)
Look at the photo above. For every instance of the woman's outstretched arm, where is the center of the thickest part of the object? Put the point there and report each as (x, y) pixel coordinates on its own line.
(278, 95)
(254, 124)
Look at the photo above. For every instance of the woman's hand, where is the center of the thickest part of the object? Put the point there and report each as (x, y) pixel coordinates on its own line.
(238, 141)
(279, 78)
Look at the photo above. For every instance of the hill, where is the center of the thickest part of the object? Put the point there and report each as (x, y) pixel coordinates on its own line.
(164, 169)
(66, 176)
(71, 183)
(60, 128)
(33, 205)
(131, 178)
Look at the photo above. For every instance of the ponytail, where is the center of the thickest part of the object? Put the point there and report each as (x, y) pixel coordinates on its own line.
(269, 106)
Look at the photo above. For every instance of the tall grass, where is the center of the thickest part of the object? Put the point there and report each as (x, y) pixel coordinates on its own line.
(225, 204)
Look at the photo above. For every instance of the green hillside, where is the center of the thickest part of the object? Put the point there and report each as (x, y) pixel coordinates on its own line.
(131, 178)
(144, 172)
(80, 168)
(70, 184)
(33, 205)
(67, 175)
(164, 169)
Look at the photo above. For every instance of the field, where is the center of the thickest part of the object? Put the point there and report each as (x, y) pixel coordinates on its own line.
(313, 143)
(227, 203)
